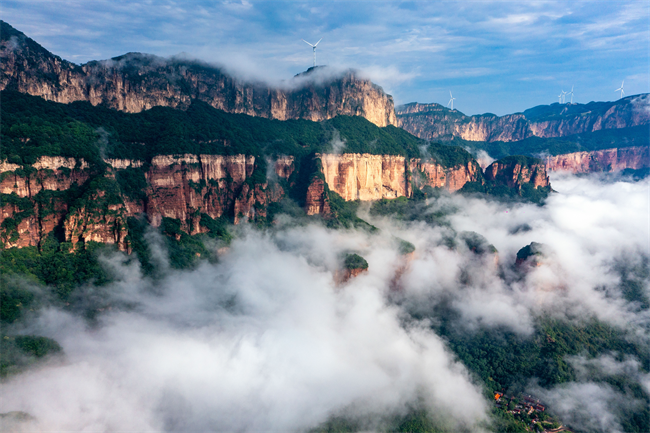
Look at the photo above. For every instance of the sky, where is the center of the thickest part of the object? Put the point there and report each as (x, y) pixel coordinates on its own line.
(497, 57)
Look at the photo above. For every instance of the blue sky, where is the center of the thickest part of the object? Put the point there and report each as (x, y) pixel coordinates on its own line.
(498, 57)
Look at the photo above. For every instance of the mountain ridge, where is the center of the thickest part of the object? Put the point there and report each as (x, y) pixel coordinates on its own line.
(134, 82)
(436, 122)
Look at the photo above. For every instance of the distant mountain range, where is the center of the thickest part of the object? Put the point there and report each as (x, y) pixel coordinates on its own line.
(435, 122)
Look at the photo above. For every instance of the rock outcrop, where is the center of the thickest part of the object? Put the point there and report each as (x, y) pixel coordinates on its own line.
(374, 177)
(364, 176)
(515, 171)
(183, 187)
(435, 122)
(437, 176)
(94, 203)
(317, 199)
(601, 160)
(135, 82)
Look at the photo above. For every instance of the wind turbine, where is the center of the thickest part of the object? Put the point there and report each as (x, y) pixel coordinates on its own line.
(560, 97)
(314, 47)
(451, 101)
(621, 89)
(571, 93)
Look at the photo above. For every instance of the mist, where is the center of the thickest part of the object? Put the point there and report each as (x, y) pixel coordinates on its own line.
(267, 338)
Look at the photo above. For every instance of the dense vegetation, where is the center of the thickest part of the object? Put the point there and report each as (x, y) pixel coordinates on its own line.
(33, 127)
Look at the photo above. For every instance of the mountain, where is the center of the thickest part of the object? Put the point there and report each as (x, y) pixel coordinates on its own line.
(435, 122)
(135, 82)
(86, 173)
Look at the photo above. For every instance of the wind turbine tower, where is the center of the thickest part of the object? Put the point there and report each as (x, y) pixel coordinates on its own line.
(314, 48)
(571, 93)
(451, 101)
(621, 89)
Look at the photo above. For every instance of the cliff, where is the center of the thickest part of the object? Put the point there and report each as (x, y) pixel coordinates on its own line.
(135, 82)
(374, 177)
(90, 205)
(435, 122)
(600, 160)
(94, 203)
(515, 171)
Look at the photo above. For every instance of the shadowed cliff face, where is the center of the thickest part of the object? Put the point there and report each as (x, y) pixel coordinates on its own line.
(135, 82)
(600, 160)
(435, 122)
(514, 172)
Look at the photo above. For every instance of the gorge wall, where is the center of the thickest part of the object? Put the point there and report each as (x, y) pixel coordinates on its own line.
(191, 188)
(601, 160)
(83, 203)
(435, 122)
(374, 177)
(135, 82)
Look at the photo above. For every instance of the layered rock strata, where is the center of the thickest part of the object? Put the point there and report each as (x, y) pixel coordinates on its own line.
(514, 174)
(601, 160)
(435, 122)
(437, 176)
(374, 177)
(182, 187)
(135, 82)
(92, 204)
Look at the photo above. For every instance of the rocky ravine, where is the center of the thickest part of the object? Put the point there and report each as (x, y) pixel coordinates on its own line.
(135, 82)
(196, 189)
(435, 122)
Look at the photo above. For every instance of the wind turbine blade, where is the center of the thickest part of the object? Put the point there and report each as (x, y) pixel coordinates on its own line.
(307, 43)
(450, 95)
(318, 41)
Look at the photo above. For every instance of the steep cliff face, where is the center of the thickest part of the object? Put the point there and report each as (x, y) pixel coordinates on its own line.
(135, 82)
(365, 176)
(435, 122)
(317, 200)
(515, 171)
(44, 196)
(373, 177)
(85, 203)
(600, 160)
(450, 178)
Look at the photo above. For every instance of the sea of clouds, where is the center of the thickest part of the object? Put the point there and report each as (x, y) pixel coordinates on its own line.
(267, 338)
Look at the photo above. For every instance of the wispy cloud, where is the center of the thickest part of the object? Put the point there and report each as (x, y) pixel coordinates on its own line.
(585, 43)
